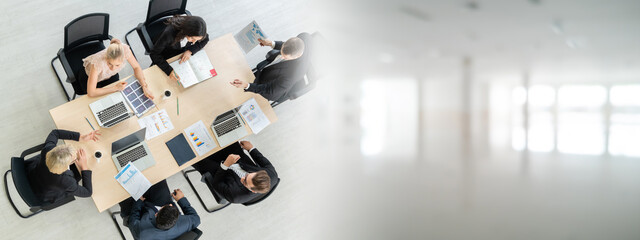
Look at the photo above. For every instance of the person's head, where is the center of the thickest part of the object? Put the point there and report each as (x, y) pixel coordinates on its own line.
(258, 182)
(191, 27)
(115, 54)
(167, 216)
(59, 158)
(292, 48)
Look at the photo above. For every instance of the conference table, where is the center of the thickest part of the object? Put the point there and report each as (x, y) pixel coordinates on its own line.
(203, 101)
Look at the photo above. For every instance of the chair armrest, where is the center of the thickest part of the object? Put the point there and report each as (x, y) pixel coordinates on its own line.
(58, 203)
(144, 37)
(32, 150)
(271, 55)
(71, 76)
(208, 178)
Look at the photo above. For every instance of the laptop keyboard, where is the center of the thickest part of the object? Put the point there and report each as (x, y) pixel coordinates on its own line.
(227, 126)
(112, 112)
(131, 155)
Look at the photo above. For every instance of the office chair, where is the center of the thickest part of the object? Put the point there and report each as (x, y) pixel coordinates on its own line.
(153, 26)
(308, 81)
(19, 175)
(82, 37)
(194, 234)
(222, 202)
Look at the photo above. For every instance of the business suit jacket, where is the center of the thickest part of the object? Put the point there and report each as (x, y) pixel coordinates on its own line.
(142, 221)
(165, 48)
(52, 187)
(227, 183)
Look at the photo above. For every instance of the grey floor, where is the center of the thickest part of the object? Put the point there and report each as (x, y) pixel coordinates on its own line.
(31, 35)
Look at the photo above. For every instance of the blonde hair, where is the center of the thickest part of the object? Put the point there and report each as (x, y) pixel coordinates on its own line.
(59, 158)
(115, 50)
(293, 47)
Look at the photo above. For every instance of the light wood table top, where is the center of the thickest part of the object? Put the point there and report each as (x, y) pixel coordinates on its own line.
(203, 101)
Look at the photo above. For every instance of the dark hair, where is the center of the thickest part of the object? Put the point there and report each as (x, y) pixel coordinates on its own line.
(167, 217)
(187, 26)
(261, 182)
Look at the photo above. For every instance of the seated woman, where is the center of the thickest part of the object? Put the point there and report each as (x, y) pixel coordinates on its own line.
(168, 44)
(51, 177)
(101, 69)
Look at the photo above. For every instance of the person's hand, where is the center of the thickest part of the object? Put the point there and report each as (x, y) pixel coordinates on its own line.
(265, 42)
(231, 159)
(142, 198)
(81, 160)
(239, 83)
(177, 194)
(91, 136)
(147, 92)
(185, 56)
(246, 145)
(174, 76)
(120, 86)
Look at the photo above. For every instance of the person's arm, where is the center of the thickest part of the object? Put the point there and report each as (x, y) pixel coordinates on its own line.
(164, 40)
(194, 48)
(137, 72)
(220, 185)
(189, 213)
(134, 218)
(278, 45)
(272, 90)
(54, 135)
(92, 83)
(260, 159)
(72, 186)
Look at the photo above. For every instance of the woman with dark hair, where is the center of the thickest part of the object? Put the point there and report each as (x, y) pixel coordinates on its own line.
(168, 44)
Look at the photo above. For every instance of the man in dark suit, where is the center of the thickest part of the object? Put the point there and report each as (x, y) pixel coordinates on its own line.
(146, 221)
(235, 176)
(278, 77)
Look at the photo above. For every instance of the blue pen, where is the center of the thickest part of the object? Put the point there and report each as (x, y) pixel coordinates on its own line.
(85, 118)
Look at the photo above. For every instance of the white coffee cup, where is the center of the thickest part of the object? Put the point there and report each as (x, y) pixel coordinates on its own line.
(166, 94)
(97, 155)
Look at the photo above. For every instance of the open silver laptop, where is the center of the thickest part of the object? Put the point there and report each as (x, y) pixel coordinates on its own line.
(134, 149)
(228, 127)
(117, 107)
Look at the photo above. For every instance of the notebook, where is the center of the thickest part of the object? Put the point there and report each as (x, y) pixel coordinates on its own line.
(197, 69)
(180, 149)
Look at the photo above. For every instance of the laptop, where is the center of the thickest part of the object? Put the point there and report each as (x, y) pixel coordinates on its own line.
(228, 127)
(134, 149)
(117, 107)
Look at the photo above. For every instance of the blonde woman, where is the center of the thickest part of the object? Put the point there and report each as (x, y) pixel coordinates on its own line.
(101, 69)
(51, 176)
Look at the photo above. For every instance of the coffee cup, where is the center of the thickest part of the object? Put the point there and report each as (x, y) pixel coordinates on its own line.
(166, 94)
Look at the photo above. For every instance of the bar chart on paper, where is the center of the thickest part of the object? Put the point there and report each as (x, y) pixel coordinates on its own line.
(199, 137)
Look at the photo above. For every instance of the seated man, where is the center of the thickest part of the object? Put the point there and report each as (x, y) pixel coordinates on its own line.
(235, 176)
(277, 78)
(147, 220)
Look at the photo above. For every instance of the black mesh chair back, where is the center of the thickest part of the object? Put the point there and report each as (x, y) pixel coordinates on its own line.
(18, 172)
(261, 197)
(154, 25)
(21, 182)
(162, 8)
(86, 28)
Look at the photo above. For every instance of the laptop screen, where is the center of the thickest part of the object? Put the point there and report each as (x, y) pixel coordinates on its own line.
(128, 141)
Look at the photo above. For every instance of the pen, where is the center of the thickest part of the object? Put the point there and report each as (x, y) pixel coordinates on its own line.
(178, 105)
(85, 118)
(176, 76)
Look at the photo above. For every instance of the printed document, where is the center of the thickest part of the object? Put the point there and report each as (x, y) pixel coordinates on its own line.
(253, 115)
(248, 36)
(156, 124)
(199, 137)
(133, 181)
(197, 69)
